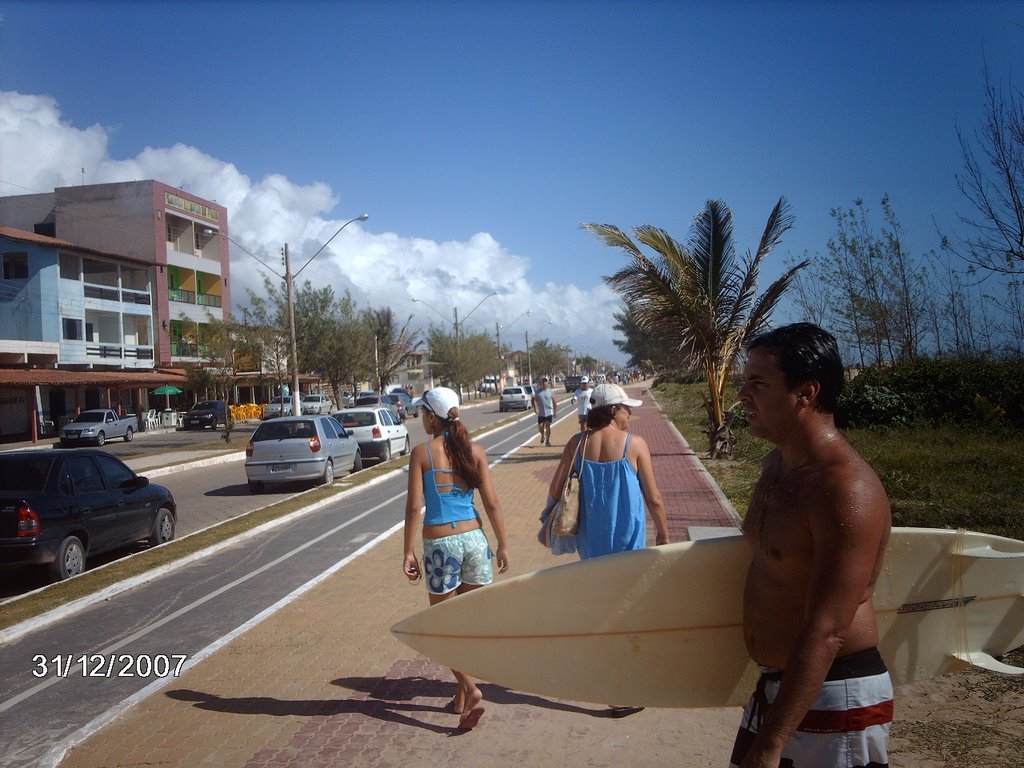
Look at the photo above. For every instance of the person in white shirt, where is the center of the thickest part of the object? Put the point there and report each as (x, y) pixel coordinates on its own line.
(582, 400)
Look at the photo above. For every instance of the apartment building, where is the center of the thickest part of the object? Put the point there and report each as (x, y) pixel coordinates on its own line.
(176, 233)
(105, 290)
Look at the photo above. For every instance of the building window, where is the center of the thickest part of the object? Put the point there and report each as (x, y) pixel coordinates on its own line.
(15, 265)
(72, 329)
(69, 266)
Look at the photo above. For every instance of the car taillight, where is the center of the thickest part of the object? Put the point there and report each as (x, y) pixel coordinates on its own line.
(377, 432)
(314, 444)
(248, 450)
(28, 521)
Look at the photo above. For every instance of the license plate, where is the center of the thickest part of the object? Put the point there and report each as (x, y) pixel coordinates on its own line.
(72, 434)
(282, 468)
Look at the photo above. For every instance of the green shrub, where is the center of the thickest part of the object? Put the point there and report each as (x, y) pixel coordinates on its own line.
(940, 392)
(870, 405)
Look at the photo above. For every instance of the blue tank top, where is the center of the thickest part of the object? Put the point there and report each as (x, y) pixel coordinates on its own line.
(447, 507)
(613, 515)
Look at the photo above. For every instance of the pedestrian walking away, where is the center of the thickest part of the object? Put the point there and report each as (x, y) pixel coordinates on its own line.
(616, 483)
(547, 410)
(581, 399)
(818, 523)
(443, 474)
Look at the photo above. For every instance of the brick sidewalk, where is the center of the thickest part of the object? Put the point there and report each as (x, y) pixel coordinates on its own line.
(322, 682)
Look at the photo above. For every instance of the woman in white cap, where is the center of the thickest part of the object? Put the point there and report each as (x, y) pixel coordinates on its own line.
(443, 474)
(616, 479)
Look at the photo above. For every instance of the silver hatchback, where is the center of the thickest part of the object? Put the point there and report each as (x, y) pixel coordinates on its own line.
(514, 398)
(300, 448)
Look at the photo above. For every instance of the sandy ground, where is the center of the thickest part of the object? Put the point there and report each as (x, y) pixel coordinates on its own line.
(970, 718)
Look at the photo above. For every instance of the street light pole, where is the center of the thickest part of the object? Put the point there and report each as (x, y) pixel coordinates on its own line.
(289, 280)
(289, 285)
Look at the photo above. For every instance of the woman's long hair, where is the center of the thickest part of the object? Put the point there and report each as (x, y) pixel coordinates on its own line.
(459, 447)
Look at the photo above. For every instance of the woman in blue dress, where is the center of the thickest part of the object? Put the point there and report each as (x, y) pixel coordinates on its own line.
(617, 486)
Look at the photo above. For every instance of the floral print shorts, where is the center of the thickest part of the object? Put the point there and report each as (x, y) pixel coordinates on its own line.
(453, 560)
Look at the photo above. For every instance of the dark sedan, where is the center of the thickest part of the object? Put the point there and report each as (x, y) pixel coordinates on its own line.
(57, 508)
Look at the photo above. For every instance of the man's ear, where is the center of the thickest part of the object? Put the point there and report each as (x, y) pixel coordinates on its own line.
(808, 392)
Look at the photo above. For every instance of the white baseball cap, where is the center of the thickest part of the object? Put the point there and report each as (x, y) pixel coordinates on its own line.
(440, 400)
(612, 394)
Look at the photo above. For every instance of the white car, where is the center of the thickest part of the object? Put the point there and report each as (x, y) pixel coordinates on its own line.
(278, 406)
(514, 398)
(316, 404)
(378, 430)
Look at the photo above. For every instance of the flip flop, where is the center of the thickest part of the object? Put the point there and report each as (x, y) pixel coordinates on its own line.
(470, 719)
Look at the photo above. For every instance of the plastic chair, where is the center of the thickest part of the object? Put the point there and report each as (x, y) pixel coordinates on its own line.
(152, 422)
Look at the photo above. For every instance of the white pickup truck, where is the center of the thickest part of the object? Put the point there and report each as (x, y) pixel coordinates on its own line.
(98, 426)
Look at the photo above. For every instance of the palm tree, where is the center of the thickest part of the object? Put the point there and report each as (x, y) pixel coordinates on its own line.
(700, 296)
(394, 344)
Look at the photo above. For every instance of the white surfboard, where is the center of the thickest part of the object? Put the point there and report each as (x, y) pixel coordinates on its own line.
(662, 626)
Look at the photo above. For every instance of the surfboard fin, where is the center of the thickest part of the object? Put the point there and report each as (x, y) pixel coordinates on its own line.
(988, 553)
(985, 661)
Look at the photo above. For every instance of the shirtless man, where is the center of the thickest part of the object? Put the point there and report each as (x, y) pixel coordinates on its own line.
(818, 523)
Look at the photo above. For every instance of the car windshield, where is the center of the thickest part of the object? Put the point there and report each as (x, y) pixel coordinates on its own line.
(90, 416)
(513, 391)
(277, 400)
(205, 406)
(284, 430)
(312, 398)
(358, 419)
(23, 474)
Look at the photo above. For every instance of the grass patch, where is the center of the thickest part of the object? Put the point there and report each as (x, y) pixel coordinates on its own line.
(941, 477)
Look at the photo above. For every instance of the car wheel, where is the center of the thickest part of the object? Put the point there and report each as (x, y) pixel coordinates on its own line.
(163, 528)
(328, 477)
(255, 487)
(101, 439)
(405, 450)
(70, 560)
(385, 454)
(128, 435)
(357, 462)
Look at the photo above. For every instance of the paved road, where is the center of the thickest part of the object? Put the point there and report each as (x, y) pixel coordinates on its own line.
(207, 495)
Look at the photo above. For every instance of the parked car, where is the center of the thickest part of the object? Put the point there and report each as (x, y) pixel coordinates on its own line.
(489, 385)
(347, 399)
(206, 413)
(572, 383)
(514, 398)
(370, 399)
(299, 448)
(278, 406)
(378, 430)
(97, 426)
(403, 404)
(316, 404)
(58, 508)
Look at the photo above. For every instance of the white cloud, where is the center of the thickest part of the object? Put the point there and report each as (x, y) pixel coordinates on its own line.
(39, 151)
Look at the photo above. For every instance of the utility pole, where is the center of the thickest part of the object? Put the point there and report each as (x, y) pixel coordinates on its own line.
(296, 400)
(529, 362)
(497, 381)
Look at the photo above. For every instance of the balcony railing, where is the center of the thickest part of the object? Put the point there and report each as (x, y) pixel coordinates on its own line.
(207, 300)
(179, 294)
(101, 292)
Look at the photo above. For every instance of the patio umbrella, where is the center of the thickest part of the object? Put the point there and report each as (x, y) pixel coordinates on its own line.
(166, 390)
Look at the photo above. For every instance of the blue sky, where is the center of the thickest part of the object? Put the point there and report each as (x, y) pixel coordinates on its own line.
(479, 135)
